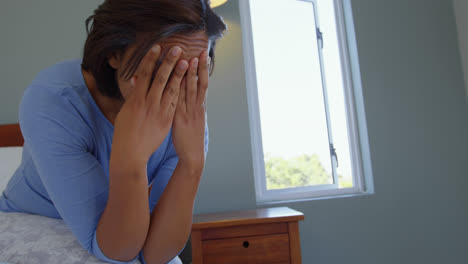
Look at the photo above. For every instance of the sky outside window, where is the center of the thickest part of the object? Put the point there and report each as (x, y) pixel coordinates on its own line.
(291, 101)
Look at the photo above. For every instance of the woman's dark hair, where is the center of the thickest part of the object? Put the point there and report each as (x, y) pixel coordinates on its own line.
(117, 23)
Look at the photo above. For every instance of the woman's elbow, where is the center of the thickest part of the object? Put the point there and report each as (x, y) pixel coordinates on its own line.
(116, 249)
(163, 254)
(123, 254)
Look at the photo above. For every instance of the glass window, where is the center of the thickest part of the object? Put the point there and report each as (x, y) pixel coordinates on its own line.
(301, 110)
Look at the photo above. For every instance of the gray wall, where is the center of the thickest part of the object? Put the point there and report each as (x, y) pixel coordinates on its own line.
(417, 120)
(35, 35)
(461, 11)
(416, 116)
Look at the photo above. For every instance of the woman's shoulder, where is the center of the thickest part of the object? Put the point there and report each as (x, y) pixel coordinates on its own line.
(60, 85)
(56, 79)
(56, 95)
(63, 72)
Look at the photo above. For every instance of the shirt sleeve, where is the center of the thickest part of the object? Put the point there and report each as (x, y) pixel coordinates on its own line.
(55, 134)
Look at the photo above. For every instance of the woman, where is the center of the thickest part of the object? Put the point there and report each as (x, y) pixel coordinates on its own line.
(115, 144)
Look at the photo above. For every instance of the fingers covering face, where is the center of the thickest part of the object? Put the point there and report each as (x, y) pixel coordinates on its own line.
(145, 71)
(203, 70)
(172, 91)
(182, 106)
(170, 88)
(192, 84)
(164, 72)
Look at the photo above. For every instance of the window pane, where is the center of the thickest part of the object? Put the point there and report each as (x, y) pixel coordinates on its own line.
(336, 101)
(291, 101)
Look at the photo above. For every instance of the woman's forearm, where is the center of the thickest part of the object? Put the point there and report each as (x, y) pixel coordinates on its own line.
(171, 220)
(123, 227)
(141, 125)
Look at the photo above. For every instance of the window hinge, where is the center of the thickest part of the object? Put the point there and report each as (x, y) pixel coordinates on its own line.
(320, 37)
(333, 154)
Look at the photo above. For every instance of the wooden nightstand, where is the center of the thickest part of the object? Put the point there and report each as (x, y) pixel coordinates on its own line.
(262, 236)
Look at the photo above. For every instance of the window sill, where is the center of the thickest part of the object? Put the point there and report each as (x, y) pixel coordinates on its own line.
(339, 193)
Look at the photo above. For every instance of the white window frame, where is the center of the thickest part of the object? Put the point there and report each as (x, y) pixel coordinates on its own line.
(357, 127)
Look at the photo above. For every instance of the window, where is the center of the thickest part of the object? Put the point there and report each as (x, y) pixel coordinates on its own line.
(308, 130)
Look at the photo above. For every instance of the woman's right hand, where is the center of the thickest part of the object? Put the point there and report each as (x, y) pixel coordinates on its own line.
(146, 116)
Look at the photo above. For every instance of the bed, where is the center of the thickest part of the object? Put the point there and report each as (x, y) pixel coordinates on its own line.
(28, 238)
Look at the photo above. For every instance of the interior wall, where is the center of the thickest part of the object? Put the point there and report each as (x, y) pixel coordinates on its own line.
(416, 115)
(461, 11)
(227, 183)
(35, 35)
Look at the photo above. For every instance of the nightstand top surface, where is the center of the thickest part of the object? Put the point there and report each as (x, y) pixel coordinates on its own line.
(248, 217)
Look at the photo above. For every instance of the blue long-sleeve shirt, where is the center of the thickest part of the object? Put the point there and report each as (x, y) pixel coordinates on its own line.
(64, 172)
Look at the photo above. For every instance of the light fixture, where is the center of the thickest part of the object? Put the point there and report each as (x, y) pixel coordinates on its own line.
(216, 3)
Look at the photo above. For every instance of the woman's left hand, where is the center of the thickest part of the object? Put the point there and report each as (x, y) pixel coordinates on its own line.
(188, 129)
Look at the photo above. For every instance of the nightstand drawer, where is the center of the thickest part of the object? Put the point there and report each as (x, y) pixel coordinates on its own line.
(271, 249)
(244, 231)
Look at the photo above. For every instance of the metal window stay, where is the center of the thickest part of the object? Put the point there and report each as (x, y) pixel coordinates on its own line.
(320, 45)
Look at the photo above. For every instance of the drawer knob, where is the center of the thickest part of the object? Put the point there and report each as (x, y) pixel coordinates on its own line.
(246, 244)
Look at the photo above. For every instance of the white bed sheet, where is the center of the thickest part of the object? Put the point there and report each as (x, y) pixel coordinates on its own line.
(10, 159)
(28, 238)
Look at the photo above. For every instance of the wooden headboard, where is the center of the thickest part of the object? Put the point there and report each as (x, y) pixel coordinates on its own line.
(10, 136)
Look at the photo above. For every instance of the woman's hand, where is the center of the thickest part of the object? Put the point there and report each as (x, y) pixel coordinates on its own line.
(146, 116)
(188, 131)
